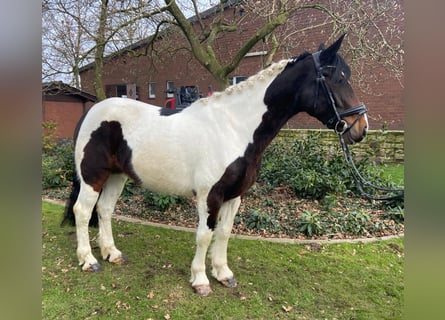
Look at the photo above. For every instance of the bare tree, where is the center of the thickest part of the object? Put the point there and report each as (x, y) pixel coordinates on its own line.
(202, 34)
(76, 32)
(375, 30)
(64, 44)
(375, 35)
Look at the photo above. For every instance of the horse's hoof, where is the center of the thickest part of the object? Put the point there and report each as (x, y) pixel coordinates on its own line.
(203, 290)
(120, 260)
(94, 268)
(229, 283)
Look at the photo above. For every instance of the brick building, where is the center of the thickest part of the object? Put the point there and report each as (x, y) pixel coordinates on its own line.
(143, 73)
(64, 105)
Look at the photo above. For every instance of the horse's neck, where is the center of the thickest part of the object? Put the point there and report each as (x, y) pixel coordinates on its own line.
(245, 104)
(242, 107)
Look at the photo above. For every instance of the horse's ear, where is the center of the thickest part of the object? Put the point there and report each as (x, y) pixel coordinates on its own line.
(328, 54)
(321, 47)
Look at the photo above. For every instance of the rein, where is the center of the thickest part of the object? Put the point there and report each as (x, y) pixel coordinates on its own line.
(397, 194)
(341, 127)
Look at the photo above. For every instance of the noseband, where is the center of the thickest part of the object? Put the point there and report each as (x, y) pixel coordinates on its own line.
(337, 123)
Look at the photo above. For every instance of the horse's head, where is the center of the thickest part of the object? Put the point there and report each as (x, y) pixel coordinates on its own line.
(318, 84)
(334, 102)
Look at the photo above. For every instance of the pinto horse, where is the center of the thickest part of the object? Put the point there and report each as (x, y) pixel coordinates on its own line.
(211, 150)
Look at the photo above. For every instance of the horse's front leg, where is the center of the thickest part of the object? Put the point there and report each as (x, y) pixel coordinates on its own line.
(223, 229)
(199, 279)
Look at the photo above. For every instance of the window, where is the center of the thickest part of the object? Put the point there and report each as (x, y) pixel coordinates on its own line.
(235, 80)
(114, 90)
(170, 89)
(132, 91)
(121, 91)
(152, 90)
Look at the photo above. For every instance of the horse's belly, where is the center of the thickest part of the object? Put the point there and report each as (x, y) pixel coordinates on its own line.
(162, 175)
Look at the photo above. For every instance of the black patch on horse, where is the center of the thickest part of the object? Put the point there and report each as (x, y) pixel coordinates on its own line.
(242, 173)
(107, 152)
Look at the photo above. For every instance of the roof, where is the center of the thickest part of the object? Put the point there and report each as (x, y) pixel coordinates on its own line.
(60, 88)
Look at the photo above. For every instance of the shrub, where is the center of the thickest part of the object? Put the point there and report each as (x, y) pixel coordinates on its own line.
(397, 214)
(313, 169)
(310, 223)
(58, 165)
(48, 131)
(306, 166)
(256, 220)
(160, 201)
(356, 222)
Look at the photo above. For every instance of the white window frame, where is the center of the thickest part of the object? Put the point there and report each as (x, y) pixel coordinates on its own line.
(152, 90)
(170, 85)
(237, 79)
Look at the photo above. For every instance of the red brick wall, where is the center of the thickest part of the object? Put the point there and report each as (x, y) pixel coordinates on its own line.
(65, 114)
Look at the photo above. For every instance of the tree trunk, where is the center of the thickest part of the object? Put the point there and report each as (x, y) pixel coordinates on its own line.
(99, 54)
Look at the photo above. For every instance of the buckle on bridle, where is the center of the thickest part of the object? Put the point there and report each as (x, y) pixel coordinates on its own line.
(341, 127)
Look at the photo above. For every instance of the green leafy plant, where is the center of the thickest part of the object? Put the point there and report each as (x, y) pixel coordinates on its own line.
(306, 166)
(256, 220)
(58, 165)
(315, 169)
(356, 222)
(330, 201)
(310, 223)
(397, 214)
(160, 201)
(131, 189)
(48, 132)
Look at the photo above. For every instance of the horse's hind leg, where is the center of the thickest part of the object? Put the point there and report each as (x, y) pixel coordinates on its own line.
(223, 229)
(82, 210)
(105, 207)
(199, 280)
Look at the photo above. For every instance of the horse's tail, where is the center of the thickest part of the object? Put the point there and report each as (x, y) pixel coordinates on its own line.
(69, 217)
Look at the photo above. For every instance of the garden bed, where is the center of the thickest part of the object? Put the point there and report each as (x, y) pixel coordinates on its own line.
(304, 191)
(274, 213)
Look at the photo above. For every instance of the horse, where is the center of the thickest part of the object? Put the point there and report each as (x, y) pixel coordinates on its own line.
(210, 150)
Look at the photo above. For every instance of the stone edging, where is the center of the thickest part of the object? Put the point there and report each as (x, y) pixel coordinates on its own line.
(241, 236)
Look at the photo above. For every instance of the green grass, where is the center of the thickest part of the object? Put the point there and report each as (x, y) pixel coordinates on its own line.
(394, 173)
(276, 281)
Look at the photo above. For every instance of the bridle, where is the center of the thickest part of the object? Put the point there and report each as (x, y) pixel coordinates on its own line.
(336, 122)
(341, 127)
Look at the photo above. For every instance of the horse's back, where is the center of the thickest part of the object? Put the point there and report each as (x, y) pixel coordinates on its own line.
(127, 112)
(119, 109)
(153, 145)
(181, 153)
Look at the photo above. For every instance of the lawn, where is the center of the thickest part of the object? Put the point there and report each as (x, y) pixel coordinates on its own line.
(394, 172)
(276, 281)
